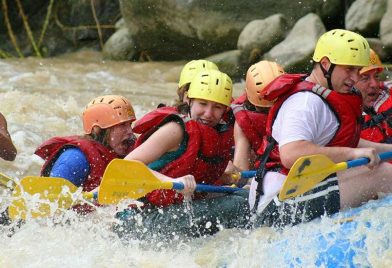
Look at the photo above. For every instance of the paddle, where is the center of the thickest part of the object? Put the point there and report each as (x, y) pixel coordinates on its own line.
(308, 171)
(245, 174)
(6, 181)
(122, 179)
(132, 179)
(47, 194)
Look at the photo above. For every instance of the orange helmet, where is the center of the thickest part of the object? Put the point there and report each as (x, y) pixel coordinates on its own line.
(258, 76)
(375, 63)
(107, 111)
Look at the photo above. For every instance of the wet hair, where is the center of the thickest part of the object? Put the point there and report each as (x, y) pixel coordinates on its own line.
(99, 136)
(182, 107)
(249, 106)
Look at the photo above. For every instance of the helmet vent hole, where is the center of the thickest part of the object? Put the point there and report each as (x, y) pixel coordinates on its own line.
(350, 40)
(204, 83)
(217, 82)
(101, 100)
(354, 48)
(110, 102)
(259, 83)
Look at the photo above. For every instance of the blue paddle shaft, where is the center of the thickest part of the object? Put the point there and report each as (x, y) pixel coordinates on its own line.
(246, 174)
(207, 188)
(363, 161)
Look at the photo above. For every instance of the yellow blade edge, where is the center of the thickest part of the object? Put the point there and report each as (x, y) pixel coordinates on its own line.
(6, 181)
(54, 194)
(124, 179)
(306, 173)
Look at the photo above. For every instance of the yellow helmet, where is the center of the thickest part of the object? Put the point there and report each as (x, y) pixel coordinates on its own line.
(211, 85)
(107, 111)
(192, 68)
(342, 47)
(258, 76)
(375, 63)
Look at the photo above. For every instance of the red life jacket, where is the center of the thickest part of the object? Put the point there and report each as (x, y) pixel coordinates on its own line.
(207, 153)
(381, 130)
(97, 155)
(346, 107)
(240, 100)
(252, 123)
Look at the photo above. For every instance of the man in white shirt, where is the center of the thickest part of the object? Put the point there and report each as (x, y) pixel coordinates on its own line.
(322, 119)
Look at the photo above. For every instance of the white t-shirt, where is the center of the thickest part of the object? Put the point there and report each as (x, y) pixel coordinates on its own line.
(304, 116)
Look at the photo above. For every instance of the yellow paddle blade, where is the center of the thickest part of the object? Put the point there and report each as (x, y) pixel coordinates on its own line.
(6, 181)
(125, 179)
(306, 173)
(41, 197)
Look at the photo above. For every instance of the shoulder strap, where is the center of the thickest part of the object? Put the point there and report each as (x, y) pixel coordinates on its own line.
(377, 119)
(260, 173)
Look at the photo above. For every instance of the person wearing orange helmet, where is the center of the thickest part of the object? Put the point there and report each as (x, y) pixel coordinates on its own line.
(377, 102)
(108, 134)
(7, 148)
(250, 111)
(369, 83)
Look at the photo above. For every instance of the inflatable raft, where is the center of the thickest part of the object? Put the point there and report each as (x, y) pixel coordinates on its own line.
(359, 237)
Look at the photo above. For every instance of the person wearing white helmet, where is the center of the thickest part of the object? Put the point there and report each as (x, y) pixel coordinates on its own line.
(319, 114)
(7, 148)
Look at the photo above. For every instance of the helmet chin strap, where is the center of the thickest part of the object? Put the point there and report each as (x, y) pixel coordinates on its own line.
(328, 74)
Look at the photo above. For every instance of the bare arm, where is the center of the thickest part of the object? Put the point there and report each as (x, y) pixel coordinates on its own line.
(242, 151)
(166, 139)
(380, 147)
(292, 151)
(7, 148)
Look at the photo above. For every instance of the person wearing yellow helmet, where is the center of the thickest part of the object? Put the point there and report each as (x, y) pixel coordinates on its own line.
(377, 102)
(108, 134)
(250, 111)
(7, 148)
(188, 72)
(191, 148)
(319, 114)
(177, 137)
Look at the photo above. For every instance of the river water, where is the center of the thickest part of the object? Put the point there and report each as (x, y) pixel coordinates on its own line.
(42, 98)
